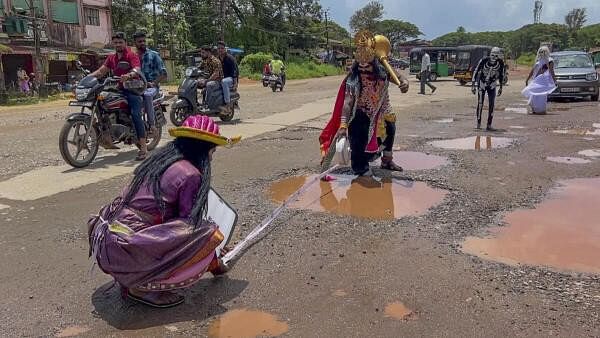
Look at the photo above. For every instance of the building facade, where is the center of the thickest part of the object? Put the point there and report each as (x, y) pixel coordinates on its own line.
(70, 30)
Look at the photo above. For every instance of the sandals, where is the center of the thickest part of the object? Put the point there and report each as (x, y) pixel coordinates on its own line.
(141, 155)
(141, 300)
(390, 165)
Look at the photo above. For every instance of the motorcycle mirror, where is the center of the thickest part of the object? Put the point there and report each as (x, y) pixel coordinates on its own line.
(123, 65)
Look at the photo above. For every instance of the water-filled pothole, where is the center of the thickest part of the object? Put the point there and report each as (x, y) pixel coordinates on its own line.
(446, 120)
(244, 323)
(399, 311)
(474, 143)
(568, 160)
(562, 232)
(361, 197)
(412, 160)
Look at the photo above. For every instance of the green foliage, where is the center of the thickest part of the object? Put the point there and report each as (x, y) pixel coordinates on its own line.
(397, 31)
(254, 63)
(367, 17)
(296, 69)
(527, 59)
(576, 18)
(307, 70)
(523, 40)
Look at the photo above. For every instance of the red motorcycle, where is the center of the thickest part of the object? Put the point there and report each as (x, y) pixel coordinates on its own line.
(104, 109)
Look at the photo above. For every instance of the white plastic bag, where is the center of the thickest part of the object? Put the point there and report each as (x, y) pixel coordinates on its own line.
(342, 152)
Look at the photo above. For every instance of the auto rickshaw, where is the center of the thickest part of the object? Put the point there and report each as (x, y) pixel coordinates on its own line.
(443, 60)
(468, 58)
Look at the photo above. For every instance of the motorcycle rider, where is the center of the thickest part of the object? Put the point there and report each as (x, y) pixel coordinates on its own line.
(155, 71)
(278, 68)
(124, 53)
(230, 72)
(212, 66)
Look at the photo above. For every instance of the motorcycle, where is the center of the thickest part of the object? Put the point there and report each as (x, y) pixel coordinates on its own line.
(104, 108)
(265, 79)
(212, 103)
(276, 82)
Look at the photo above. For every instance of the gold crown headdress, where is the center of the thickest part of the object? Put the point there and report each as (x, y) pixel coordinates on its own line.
(369, 46)
(365, 46)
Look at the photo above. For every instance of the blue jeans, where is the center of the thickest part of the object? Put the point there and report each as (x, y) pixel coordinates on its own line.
(226, 84)
(148, 104)
(135, 107)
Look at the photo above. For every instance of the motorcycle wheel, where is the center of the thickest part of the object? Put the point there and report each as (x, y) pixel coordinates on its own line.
(66, 143)
(274, 88)
(153, 142)
(265, 84)
(226, 114)
(178, 115)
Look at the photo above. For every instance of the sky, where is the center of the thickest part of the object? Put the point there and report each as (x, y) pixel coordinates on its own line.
(438, 17)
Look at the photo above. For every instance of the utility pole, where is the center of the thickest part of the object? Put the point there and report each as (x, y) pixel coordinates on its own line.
(327, 31)
(39, 72)
(222, 5)
(154, 33)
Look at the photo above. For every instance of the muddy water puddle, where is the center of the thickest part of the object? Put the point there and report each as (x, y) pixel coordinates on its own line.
(243, 323)
(412, 160)
(73, 331)
(568, 160)
(399, 311)
(474, 143)
(361, 197)
(562, 232)
(447, 120)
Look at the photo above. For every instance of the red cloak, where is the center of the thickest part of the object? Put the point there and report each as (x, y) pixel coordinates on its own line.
(328, 134)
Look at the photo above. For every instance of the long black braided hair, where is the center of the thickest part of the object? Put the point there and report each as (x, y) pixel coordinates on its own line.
(152, 169)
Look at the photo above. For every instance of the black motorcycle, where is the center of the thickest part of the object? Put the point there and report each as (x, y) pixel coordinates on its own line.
(104, 109)
(276, 82)
(212, 103)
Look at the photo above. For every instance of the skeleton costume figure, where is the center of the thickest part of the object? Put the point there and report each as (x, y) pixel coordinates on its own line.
(362, 111)
(489, 73)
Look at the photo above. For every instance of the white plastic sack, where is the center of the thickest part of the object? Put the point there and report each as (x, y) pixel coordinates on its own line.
(342, 152)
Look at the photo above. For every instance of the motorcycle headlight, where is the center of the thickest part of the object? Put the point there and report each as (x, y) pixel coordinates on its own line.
(592, 77)
(82, 93)
(188, 72)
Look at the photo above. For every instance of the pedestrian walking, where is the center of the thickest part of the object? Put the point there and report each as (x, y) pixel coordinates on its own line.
(425, 74)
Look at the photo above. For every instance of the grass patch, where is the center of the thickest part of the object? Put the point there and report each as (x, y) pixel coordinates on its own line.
(527, 59)
(298, 71)
(28, 100)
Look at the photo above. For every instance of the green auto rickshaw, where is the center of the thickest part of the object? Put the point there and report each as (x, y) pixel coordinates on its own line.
(443, 61)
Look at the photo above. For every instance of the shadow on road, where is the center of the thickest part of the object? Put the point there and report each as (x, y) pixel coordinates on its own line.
(202, 302)
(124, 159)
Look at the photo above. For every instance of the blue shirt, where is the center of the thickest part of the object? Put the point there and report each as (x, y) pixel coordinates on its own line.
(152, 65)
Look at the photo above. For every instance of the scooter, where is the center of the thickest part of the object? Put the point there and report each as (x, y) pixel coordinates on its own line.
(212, 103)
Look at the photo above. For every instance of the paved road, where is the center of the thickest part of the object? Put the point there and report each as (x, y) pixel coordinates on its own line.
(322, 275)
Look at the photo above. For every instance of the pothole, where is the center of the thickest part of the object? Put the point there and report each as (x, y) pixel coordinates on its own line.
(568, 160)
(247, 324)
(412, 160)
(474, 143)
(562, 232)
(363, 197)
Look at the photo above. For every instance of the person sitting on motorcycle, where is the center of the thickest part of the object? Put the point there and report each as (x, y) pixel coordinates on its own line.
(212, 66)
(230, 71)
(278, 68)
(124, 53)
(155, 71)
